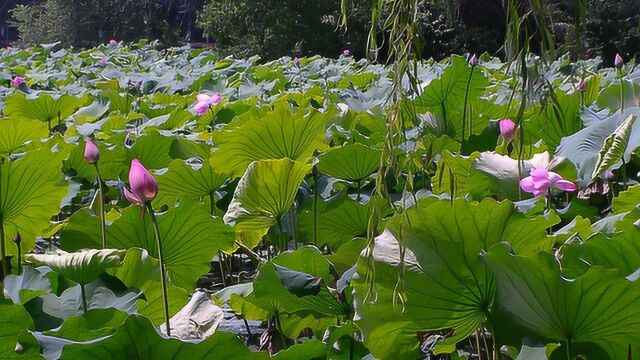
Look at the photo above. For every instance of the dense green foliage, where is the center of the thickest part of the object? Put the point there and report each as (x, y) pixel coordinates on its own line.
(443, 255)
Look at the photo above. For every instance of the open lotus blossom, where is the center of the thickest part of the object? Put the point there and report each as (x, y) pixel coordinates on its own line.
(618, 61)
(540, 180)
(473, 60)
(17, 81)
(204, 102)
(346, 52)
(143, 187)
(91, 152)
(507, 129)
(113, 42)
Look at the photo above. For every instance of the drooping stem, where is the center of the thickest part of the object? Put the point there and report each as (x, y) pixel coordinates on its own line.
(85, 307)
(163, 271)
(103, 222)
(464, 109)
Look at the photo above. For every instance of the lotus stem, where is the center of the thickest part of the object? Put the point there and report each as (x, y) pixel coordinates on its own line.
(315, 207)
(283, 239)
(464, 109)
(85, 307)
(3, 252)
(478, 345)
(103, 222)
(19, 246)
(621, 91)
(163, 272)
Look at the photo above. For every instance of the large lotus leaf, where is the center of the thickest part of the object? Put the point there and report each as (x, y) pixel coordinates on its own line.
(91, 112)
(265, 193)
(24, 287)
(31, 190)
(95, 324)
(621, 251)
(493, 174)
(43, 107)
(14, 135)
(152, 150)
(197, 182)
(14, 321)
(341, 220)
(308, 350)
(559, 117)
(445, 284)
(601, 307)
(141, 271)
(583, 147)
(354, 162)
(190, 238)
(452, 175)
(277, 134)
(138, 339)
(627, 200)
(611, 98)
(83, 266)
(112, 162)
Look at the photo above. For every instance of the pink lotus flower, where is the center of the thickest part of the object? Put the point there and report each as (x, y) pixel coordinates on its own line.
(104, 61)
(17, 81)
(204, 102)
(113, 42)
(473, 60)
(346, 52)
(618, 61)
(91, 152)
(143, 187)
(507, 129)
(540, 180)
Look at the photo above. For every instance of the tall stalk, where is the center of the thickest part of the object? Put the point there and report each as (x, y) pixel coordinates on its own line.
(163, 271)
(103, 222)
(3, 248)
(83, 293)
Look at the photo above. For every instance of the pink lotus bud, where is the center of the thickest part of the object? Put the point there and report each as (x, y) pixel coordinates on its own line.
(204, 102)
(296, 61)
(507, 129)
(113, 42)
(618, 61)
(346, 52)
(104, 61)
(608, 175)
(17, 81)
(143, 185)
(581, 85)
(17, 239)
(91, 152)
(473, 60)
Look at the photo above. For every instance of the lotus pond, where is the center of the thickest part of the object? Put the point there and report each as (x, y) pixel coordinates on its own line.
(160, 204)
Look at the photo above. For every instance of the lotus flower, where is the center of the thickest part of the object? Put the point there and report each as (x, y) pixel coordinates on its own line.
(104, 61)
(473, 60)
(17, 81)
(507, 129)
(113, 42)
(91, 152)
(540, 180)
(143, 187)
(204, 102)
(618, 61)
(346, 52)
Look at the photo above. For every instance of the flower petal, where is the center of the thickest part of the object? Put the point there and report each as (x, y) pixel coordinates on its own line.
(565, 185)
(202, 98)
(526, 184)
(131, 197)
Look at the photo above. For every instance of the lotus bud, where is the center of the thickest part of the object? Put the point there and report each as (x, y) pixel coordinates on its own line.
(17, 81)
(618, 61)
(91, 152)
(296, 61)
(473, 60)
(113, 42)
(346, 52)
(17, 239)
(507, 129)
(143, 186)
(581, 86)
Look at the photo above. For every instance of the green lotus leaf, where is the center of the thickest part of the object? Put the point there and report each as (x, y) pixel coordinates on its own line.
(614, 146)
(277, 134)
(559, 118)
(445, 284)
(138, 339)
(601, 307)
(15, 135)
(353, 162)
(83, 266)
(31, 190)
(308, 350)
(152, 150)
(14, 322)
(196, 182)
(26, 286)
(265, 193)
(95, 324)
(627, 200)
(112, 163)
(43, 107)
(190, 237)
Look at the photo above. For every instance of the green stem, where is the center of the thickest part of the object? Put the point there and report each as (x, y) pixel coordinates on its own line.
(478, 345)
(85, 307)
(19, 246)
(464, 109)
(283, 239)
(315, 209)
(212, 203)
(3, 252)
(163, 272)
(568, 343)
(621, 92)
(292, 219)
(103, 222)
(358, 188)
